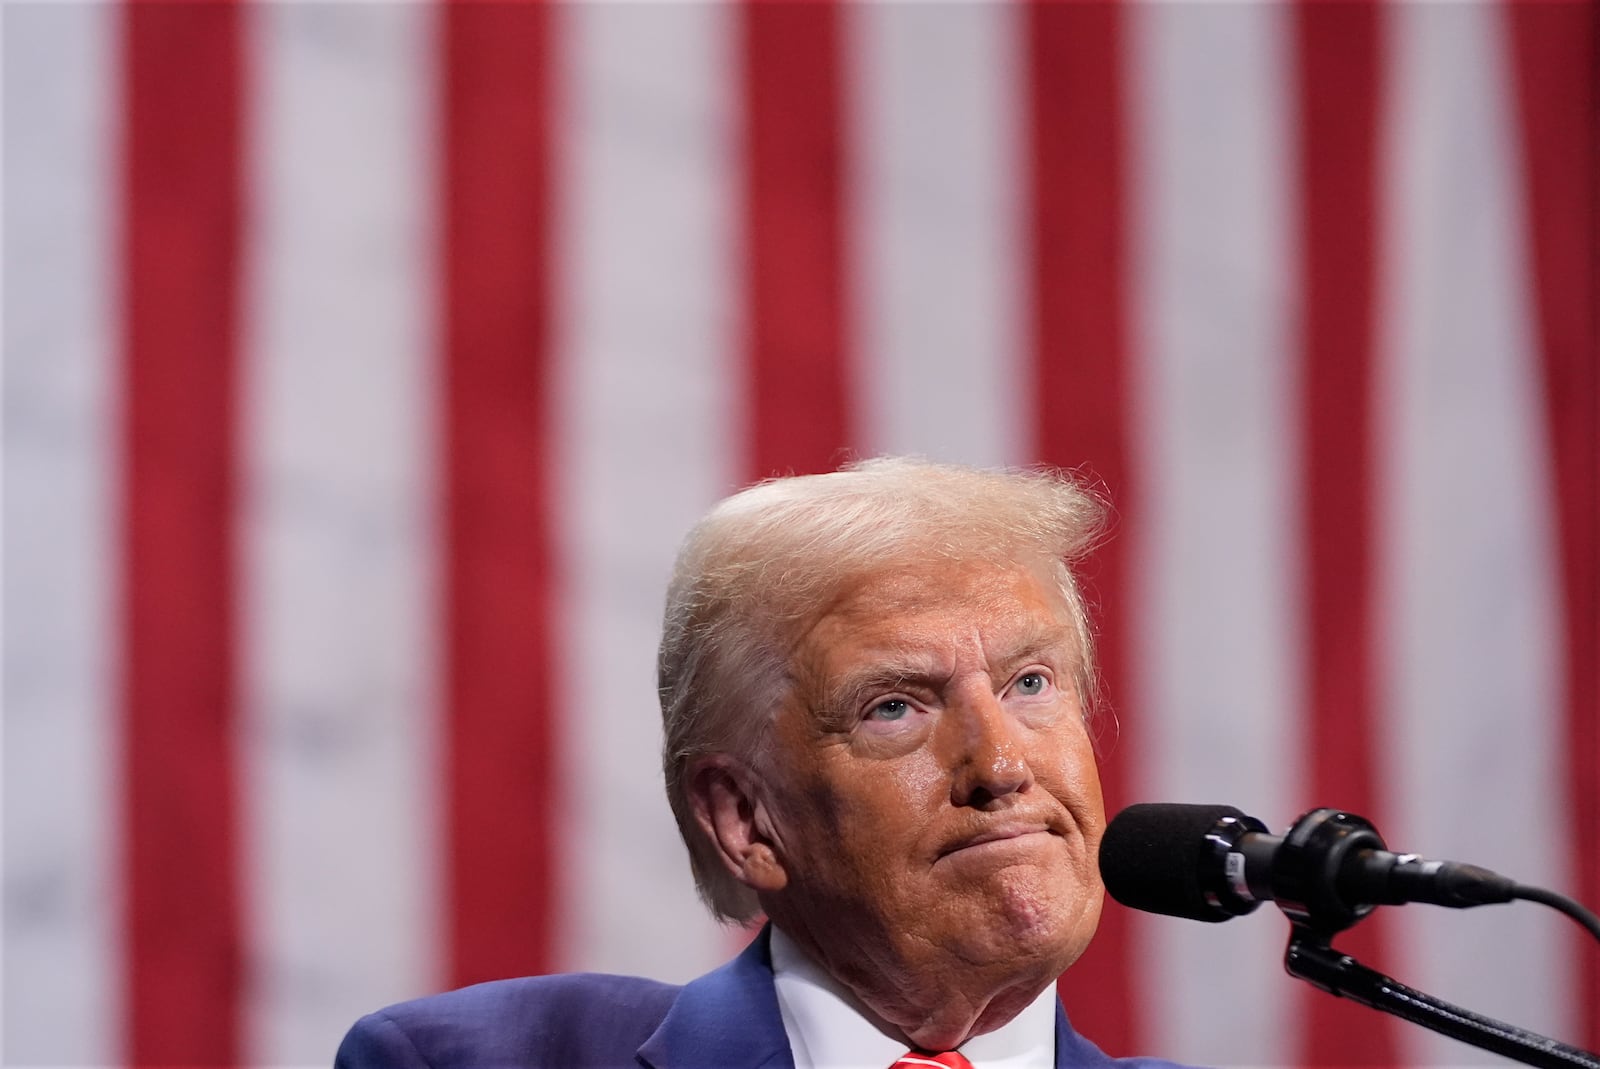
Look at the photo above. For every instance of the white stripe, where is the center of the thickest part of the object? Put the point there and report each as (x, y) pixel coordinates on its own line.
(1468, 550)
(647, 436)
(934, 122)
(62, 884)
(1214, 550)
(339, 748)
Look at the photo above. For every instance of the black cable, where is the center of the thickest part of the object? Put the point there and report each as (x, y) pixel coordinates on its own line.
(1310, 957)
(1561, 902)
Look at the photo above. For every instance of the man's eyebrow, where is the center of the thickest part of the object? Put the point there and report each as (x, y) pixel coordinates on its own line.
(897, 670)
(1043, 638)
(843, 694)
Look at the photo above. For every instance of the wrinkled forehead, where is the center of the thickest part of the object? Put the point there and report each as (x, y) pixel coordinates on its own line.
(992, 606)
(799, 586)
(914, 583)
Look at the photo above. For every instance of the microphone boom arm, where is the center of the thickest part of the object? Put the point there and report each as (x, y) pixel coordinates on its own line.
(1310, 957)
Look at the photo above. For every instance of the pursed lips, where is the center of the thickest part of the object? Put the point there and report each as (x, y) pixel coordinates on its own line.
(997, 834)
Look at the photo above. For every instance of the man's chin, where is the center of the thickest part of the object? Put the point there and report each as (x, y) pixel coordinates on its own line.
(1028, 919)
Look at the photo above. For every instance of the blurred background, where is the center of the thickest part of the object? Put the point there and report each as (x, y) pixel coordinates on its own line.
(366, 362)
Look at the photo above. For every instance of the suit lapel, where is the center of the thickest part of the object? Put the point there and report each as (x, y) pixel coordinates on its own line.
(1072, 1050)
(728, 1018)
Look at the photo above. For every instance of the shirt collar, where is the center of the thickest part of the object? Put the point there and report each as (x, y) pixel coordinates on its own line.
(829, 1028)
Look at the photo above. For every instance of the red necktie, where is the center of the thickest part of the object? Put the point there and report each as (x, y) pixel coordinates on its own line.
(950, 1059)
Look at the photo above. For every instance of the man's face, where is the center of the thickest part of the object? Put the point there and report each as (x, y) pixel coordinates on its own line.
(933, 793)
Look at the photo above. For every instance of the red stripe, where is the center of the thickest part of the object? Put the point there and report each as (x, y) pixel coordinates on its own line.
(1079, 348)
(181, 213)
(795, 287)
(1338, 49)
(502, 770)
(1556, 50)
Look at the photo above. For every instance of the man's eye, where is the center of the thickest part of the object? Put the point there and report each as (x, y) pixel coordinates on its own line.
(1032, 683)
(892, 709)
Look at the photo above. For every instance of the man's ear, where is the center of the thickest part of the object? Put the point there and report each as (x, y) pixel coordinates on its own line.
(732, 813)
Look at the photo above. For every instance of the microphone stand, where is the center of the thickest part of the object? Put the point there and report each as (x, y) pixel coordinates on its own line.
(1312, 958)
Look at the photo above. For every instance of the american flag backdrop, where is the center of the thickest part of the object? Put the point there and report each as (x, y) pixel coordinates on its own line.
(364, 364)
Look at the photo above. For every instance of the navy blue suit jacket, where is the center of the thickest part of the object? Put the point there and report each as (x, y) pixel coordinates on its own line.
(727, 1019)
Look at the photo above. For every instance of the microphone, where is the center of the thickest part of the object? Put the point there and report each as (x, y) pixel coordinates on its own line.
(1213, 863)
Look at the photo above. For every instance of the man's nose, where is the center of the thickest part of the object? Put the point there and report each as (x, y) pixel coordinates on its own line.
(984, 752)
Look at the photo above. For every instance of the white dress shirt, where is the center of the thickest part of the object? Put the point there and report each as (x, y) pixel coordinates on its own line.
(829, 1028)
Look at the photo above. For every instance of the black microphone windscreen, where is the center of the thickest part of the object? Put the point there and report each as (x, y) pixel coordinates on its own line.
(1151, 858)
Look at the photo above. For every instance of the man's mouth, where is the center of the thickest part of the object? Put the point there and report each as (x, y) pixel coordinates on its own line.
(998, 837)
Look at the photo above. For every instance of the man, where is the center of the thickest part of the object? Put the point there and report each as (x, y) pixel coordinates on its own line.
(875, 686)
